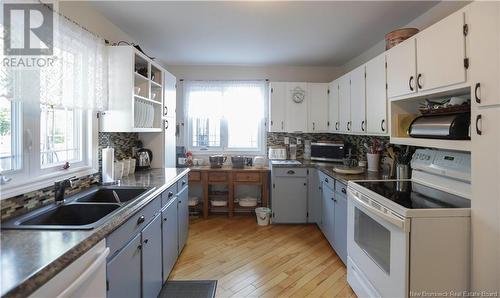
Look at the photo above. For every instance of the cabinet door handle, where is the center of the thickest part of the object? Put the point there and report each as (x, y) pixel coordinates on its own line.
(165, 110)
(141, 219)
(410, 83)
(170, 194)
(343, 190)
(363, 125)
(165, 219)
(337, 125)
(282, 125)
(419, 84)
(314, 126)
(382, 125)
(146, 241)
(183, 182)
(478, 118)
(326, 180)
(166, 124)
(478, 99)
(290, 172)
(139, 246)
(348, 125)
(333, 199)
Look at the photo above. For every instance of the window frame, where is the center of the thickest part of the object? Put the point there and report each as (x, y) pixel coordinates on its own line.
(16, 142)
(224, 134)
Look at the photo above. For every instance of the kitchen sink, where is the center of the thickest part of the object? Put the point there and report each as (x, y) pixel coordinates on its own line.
(112, 195)
(82, 211)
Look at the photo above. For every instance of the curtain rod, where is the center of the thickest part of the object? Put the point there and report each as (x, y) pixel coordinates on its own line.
(74, 22)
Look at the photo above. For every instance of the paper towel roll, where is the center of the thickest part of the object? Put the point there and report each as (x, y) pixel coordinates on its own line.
(108, 167)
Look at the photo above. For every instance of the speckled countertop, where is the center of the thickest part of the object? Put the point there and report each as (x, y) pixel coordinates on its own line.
(30, 258)
(327, 168)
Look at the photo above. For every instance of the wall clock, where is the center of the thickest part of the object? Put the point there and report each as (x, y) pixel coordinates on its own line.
(298, 95)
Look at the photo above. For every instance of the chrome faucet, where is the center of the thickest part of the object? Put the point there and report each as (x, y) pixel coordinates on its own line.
(60, 188)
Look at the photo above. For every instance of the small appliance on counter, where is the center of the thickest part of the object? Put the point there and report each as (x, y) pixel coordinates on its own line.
(327, 151)
(216, 161)
(259, 162)
(277, 153)
(452, 126)
(144, 158)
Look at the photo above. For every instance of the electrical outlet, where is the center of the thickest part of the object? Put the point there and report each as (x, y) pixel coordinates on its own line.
(286, 140)
(299, 141)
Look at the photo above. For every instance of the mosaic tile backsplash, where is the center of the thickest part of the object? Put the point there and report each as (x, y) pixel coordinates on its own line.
(355, 141)
(11, 207)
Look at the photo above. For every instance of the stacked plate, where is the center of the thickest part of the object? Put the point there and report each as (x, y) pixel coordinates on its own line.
(143, 114)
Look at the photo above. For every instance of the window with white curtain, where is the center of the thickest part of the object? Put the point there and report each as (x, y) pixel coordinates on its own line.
(225, 115)
(48, 113)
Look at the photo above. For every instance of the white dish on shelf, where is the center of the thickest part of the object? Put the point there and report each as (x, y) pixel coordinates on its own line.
(217, 203)
(193, 201)
(248, 202)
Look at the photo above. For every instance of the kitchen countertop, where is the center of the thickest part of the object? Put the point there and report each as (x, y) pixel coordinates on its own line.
(327, 168)
(30, 258)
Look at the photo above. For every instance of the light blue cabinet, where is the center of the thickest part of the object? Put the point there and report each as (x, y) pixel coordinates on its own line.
(289, 195)
(151, 256)
(123, 271)
(170, 234)
(314, 197)
(340, 226)
(327, 212)
(182, 217)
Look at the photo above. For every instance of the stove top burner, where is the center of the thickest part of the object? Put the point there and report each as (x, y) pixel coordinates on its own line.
(413, 195)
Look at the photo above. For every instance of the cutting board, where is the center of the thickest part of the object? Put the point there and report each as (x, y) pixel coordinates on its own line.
(349, 170)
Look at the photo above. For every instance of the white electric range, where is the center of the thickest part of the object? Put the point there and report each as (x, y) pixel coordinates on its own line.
(412, 237)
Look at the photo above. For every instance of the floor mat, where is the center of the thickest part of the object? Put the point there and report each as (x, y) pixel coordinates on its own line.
(188, 289)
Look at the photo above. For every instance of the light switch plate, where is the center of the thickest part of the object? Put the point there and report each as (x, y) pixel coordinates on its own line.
(286, 140)
(299, 141)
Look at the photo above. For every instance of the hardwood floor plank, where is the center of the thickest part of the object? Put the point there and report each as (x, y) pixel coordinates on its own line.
(249, 260)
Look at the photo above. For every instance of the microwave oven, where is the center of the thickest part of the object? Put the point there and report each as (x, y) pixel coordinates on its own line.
(330, 152)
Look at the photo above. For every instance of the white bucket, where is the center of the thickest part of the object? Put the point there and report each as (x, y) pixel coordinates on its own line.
(263, 214)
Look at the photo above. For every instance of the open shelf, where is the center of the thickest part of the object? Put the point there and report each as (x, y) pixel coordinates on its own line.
(147, 99)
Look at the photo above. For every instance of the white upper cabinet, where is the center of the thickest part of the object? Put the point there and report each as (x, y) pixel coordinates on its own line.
(333, 106)
(401, 69)
(376, 100)
(358, 100)
(277, 106)
(345, 103)
(441, 54)
(135, 89)
(296, 107)
(169, 101)
(484, 44)
(317, 94)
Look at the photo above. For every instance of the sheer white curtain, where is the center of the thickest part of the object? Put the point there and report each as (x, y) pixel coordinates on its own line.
(225, 114)
(76, 79)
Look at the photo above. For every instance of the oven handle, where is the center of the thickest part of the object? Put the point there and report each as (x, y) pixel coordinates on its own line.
(403, 224)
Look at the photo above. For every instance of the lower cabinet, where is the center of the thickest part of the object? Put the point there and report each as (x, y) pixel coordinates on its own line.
(169, 237)
(123, 271)
(340, 226)
(314, 198)
(289, 195)
(327, 212)
(182, 218)
(151, 254)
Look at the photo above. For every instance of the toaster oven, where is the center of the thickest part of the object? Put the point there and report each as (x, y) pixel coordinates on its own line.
(330, 152)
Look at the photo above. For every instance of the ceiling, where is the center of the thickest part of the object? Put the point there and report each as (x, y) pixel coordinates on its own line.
(327, 33)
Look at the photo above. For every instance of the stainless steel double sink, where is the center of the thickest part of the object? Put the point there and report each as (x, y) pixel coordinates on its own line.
(82, 211)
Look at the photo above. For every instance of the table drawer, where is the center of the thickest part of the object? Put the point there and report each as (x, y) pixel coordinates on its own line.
(195, 176)
(116, 240)
(217, 177)
(246, 177)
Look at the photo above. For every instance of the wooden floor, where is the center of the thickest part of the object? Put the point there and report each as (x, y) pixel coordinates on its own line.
(251, 261)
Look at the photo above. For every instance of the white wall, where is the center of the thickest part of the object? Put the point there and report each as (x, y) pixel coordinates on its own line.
(92, 20)
(436, 13)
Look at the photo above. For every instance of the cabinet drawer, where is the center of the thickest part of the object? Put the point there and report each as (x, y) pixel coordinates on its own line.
(325, 179)
(246, 177)
(168, 194)
(217, 177)
(181, 183)
(116, 240)
(295, 172)
(341, 188)
(195, 176)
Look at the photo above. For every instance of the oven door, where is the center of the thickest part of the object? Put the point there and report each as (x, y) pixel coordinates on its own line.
(378, 249)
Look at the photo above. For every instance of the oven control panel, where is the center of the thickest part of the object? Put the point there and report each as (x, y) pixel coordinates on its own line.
(451, 164)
